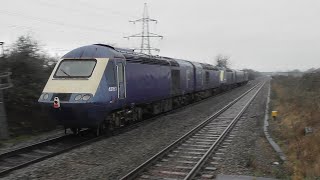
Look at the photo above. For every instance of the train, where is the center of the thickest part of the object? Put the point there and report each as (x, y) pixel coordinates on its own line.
(102, 87)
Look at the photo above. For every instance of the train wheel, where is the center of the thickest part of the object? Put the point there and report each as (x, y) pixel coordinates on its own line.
(139, 114)
(98, 131)
(74, 131)
(110, 126)
(103, 128)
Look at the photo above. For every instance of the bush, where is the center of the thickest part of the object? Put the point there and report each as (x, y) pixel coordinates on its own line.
(252, 74)
(30, 71)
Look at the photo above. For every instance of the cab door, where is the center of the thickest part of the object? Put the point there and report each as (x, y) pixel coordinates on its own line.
(121, 80)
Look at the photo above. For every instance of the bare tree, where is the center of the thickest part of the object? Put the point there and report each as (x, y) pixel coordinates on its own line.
(222, 61)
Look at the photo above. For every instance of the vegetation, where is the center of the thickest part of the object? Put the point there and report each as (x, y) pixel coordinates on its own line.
(297, 99)
(252, 74)
(30, 69)
(222, 61)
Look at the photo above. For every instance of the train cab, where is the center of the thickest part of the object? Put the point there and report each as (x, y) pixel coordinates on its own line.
(85, 84)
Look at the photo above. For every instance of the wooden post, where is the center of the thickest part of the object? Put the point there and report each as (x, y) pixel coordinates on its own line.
(4, 84)
(4, 133)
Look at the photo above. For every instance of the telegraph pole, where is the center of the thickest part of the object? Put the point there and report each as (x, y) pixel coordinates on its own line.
(145, 35)
(1, 44)
(5, 83)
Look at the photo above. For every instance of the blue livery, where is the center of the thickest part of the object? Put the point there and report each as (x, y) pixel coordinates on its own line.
(102, 87)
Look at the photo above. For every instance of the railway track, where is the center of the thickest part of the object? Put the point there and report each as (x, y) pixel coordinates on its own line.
(22, 157)
(184, 158)
(25, 156)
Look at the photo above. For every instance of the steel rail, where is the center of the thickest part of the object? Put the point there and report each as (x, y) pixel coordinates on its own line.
(200, 163)
(30, 147)
(39, 145)
(134, 173)
(152, 118)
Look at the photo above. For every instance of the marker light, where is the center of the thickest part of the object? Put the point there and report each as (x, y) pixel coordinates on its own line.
(78, 97)
(56, 103)
(86, 97)
(45, 96)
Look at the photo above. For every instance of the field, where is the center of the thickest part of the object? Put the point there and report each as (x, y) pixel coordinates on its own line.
(297, 99)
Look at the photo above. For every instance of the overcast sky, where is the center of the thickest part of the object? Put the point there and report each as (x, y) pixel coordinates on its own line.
(265, 35)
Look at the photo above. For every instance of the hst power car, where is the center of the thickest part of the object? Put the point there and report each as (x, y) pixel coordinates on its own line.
(102, 87)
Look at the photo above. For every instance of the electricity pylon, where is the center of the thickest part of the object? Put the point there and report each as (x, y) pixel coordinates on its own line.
(145, 34)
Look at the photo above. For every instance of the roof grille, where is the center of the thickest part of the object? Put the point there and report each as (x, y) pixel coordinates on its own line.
(172, 61)
(208, 66)
(146, 60)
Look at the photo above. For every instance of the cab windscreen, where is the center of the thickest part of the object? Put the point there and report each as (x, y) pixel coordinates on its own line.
(75, 69)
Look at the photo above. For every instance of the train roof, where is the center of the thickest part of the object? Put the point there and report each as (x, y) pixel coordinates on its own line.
(134, 57)
(93, 51)
(107, 51)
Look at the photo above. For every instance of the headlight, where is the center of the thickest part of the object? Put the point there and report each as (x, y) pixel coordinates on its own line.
(86, 97)
(45, 96)
(78, 97)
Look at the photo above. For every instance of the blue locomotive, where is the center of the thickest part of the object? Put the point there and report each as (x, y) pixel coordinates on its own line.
(102, 87)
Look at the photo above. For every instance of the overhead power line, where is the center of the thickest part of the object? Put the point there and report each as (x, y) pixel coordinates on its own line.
(145, 35)
(48, 21)
(87, 9)
(82, 34)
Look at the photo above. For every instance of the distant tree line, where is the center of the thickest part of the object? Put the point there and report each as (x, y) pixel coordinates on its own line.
(30, 68)
(223, 61)
(252, 74)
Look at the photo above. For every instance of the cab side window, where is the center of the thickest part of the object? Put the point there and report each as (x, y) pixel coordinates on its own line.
(110, 74)
(207, 77)
(120, 73)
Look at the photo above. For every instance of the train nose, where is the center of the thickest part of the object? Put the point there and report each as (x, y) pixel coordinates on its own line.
(56, 103)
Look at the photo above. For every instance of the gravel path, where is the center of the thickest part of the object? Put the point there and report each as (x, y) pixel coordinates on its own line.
(115, 156)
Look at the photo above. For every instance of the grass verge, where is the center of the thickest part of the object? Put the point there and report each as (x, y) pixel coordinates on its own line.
(297, 99)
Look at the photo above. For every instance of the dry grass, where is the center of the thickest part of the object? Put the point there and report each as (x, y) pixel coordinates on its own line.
(298, 103)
